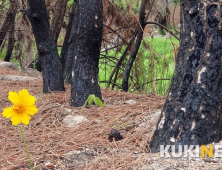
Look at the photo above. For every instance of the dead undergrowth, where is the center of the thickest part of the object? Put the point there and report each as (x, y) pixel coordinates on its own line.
(53, 145)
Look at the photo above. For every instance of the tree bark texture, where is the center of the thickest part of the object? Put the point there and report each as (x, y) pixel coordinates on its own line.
(192, 112)
(119, 62)
(9, 20)
(51, 66)
(57, 20)
(68, 57)
(85, 50)
(66, 42)
(27, 41)
(129, 65)
(11, 40)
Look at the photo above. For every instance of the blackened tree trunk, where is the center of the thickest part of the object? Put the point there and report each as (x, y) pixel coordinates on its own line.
(51, 66)
(73, 39)
(9, 20)
(121, 59)
(57, 20)
(11, 37)
(192, 112)
(85, 50)
(129, 65)
(11, 42)
(66, 42)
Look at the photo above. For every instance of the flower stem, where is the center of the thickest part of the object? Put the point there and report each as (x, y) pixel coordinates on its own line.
(26, 148)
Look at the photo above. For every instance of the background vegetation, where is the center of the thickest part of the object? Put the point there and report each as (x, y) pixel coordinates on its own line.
(154, 66)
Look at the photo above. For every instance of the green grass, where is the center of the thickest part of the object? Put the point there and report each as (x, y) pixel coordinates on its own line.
(154, 63)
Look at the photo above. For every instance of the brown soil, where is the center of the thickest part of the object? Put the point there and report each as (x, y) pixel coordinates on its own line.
(50, 142)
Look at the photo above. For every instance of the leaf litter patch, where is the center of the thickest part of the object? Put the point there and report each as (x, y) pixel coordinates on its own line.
(53, 145)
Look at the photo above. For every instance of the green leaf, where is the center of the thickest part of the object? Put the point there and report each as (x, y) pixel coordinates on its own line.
(98, 102)
(91, 98)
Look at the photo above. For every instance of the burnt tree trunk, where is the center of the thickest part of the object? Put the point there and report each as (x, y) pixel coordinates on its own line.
(66, 42)
(192, 112)
(57, 20)
(11, 42)
(73, 39)
(11, 38)
(121, 59)
(85, 50)
(129, 65)
(51, 66)
(9, 20)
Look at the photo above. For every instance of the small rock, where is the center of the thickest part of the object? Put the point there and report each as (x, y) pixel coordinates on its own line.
(9, 65)
(79, 158)
(72, 121)
(68, 111)
(115, 134)
(17, 78)
(31, 72)
(130, 101)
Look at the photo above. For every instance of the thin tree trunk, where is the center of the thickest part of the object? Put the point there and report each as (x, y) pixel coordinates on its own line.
(8, 20)
(57, 20)
(11, 42)
(136, 47)
(192, 112)
(63, 56)
(27, 40)
(85, 50)
(118, 64)
(72, 40)
(51, 66)
(11, 39)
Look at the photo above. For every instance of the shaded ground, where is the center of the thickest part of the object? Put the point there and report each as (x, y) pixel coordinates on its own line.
(52, 145)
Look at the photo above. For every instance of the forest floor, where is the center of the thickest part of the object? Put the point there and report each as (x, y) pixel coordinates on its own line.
(53, 145)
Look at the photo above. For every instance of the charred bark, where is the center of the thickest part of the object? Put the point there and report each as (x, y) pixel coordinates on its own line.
(85, 50)
(51, 66)
(66, 42)
(11, 38)
(11, 42)
(136, 47)
(10, 17)
(71, 47)
(118, 64)
(57, 20)
(192, 112)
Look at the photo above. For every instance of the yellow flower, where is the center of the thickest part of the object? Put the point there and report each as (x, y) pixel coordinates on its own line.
(23, 107)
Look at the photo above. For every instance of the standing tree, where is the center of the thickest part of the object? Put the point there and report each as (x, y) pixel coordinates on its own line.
(192, 112)
(9, 20)
(11, 38)
(57, 20)
(48, 55)
(129, 65)
(63, 56)
(86, 38)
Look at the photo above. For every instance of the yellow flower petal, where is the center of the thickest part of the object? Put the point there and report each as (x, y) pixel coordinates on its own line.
(8, 112)
(13, 97)
(31, 110)
(16, 119)
(30, 101)
(25, 98)
(23, 95)
(25, 118)
(23, 107)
